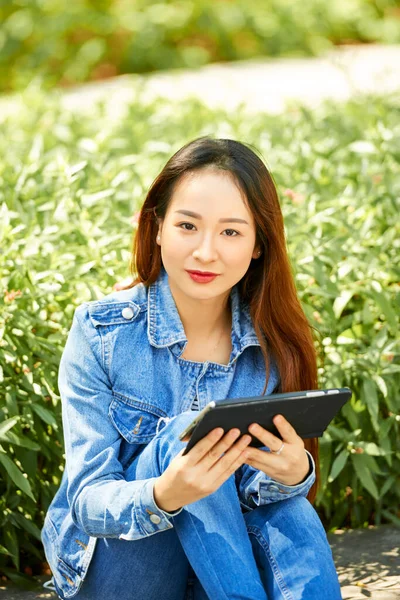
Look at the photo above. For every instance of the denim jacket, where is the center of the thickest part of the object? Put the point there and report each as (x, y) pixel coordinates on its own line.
(121, 376)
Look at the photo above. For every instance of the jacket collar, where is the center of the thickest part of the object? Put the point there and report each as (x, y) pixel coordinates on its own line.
(165, 326)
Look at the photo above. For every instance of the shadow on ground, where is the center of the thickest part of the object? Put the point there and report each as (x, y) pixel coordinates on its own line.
(368, 562)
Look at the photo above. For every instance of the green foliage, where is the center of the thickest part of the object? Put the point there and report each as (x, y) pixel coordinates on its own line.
(68, 42)
(69, 185)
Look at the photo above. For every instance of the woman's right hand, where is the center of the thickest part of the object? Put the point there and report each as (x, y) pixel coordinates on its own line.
(202, 470)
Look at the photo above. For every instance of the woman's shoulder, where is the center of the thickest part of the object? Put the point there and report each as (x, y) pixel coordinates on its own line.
(120, 306)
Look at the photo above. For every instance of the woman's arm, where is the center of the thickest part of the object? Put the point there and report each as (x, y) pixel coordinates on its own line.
(102, 502)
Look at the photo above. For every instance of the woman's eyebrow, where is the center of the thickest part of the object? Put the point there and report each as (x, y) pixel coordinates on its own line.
(189, 213)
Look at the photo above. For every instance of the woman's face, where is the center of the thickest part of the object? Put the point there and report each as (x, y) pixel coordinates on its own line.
(202, 242)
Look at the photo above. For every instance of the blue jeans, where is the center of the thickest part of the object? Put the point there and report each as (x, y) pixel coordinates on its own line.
(214, 551)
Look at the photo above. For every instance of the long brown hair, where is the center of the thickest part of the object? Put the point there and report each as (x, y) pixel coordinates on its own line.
(268, 286)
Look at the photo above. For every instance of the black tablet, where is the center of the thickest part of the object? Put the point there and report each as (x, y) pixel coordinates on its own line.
(308, 411)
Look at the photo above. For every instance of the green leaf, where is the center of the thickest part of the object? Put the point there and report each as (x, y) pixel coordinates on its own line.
(26, 524)
(364, 475)
(370, 399)
(391, 517)
(338, 465)
(44, 414)
(339, 434)
(341, 302)
(349, 413)
(387, 309)
(11, 542)
(12, 438)
(385, 426)
(371, 449)
(16, 475)
(325, 455)
(4, 550)
(22, 581)
(387, 485)
(8, 424)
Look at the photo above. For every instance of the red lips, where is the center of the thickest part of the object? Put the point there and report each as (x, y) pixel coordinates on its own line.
(203, 273)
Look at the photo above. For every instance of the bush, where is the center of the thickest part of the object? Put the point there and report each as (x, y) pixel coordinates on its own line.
(69, 42)
(69, 186)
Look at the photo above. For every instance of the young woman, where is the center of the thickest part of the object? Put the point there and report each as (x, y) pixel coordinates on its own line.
(134, 518)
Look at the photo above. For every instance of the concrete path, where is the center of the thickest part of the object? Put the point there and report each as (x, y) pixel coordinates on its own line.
(367, 562)
(265, 85)
(260, 84)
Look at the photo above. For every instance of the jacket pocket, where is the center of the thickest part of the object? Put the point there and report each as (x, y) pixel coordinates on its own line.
(135, 419)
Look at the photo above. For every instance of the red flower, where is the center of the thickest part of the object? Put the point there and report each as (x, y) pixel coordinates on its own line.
(296, 197)
(10, 296)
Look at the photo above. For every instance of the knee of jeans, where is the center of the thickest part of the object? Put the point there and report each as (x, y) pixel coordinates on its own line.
(175, 425)
(295, 512)
(168, 435)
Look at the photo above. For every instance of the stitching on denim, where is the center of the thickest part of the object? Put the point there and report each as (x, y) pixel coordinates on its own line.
(104, 355)
(105, 350)
(87, 557)
(138, 403)
(251, 529)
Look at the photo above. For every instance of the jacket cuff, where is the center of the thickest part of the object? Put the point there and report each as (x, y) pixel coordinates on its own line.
(271, 490)
(150, 518)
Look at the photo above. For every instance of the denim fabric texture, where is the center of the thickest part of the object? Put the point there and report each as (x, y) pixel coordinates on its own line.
(123, 388)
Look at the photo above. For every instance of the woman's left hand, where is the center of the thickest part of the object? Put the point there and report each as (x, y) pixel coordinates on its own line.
(291, 466)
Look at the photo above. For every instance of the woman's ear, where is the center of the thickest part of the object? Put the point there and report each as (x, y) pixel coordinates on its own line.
(158, 238)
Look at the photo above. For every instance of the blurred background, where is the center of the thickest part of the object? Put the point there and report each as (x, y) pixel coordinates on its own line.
(65, 43)
(75, 168)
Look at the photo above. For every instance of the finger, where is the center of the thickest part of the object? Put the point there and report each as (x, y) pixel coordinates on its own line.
(266, 437)
(225, 463)
(286, 430)
(261, 459)
(201, 448)
(214, 453)
(266, 467)
(209, 449)
(232, 460)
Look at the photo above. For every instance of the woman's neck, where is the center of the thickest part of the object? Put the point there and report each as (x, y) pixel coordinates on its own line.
(203, 320)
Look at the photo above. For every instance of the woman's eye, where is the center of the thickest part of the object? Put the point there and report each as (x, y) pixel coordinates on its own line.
(191, 225)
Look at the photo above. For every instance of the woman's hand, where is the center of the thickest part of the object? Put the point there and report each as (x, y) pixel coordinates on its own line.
(202, 470)
(292, 465)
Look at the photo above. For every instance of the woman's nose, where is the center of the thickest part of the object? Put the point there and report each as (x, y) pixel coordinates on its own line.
(206, 250)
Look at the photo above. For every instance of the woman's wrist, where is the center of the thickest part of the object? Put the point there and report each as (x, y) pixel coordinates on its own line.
(161, 501)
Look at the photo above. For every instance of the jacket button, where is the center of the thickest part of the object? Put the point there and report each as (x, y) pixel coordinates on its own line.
(155, 518)
(127, 313)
